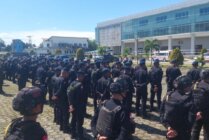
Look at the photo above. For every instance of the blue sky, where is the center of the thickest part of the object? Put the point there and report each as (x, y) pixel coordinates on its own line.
(33, 17)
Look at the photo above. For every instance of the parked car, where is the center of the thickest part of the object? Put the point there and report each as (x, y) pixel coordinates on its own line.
(162, 55)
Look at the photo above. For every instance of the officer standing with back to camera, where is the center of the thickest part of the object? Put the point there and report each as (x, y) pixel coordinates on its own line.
(201, 98)
(112, 120)
(1, 76)
(172, 72)
(126, 75)
(61, 100)
(28, 102)
(194, 72)
(155, 77)
(23, 72)
(141, 81)
(103, 85)
(177, 110)
(77, 97)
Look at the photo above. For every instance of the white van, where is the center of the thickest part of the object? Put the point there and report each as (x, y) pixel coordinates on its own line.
(161, 55)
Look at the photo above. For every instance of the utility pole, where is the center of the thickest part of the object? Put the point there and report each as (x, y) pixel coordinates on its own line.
(30, 40)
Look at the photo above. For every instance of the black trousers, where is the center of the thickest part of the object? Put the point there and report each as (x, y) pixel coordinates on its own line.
(21, 84)
(141, 95)
(158, 94)
(1, 84)
(197, 128)
(64, 118)
(170, 86)
(128, 101)
(77, 122)
(57, 114)
(50, 91)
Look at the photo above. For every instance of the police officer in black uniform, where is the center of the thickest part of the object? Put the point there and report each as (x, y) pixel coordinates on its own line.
(95, 76)
(23, 72)
(103, 85)
(141, 80)
(194, 72)
(155, 77)
(172, 72)
(77, 105)
(54, 90)
(29, 103)
(113, 122)
(1, 76)
(201, 98)
(61, 100)
(177, 110)
(126, 75)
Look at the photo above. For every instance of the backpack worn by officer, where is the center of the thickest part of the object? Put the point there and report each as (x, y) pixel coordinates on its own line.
(106, 120)
(24, 130)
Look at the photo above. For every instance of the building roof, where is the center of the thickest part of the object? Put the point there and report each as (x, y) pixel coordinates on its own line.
(187, 3)
(67, 37)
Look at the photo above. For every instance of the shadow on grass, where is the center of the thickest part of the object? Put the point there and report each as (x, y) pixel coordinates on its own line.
(150, 129)
(7, 95)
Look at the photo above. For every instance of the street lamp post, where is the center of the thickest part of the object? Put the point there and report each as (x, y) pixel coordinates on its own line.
(136, 48)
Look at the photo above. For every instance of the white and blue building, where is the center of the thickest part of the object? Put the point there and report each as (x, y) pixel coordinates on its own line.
(17, 46)
(184, 25)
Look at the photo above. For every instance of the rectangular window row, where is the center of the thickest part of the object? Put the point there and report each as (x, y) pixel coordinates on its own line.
(161, 19)
(161, 31)
(182, 15)
(204, 11)
(181, 29)
(202, 26)
(143, 22)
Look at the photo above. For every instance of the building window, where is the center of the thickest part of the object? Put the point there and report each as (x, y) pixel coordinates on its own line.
(204, 11)
(143, 33)
(182, 15)
(161, 19)
(181, 29)
(143, 22)
(161, 31)
(84, 45)
(202, 26)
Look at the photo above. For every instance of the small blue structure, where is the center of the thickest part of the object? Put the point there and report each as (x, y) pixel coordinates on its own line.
(17, 46)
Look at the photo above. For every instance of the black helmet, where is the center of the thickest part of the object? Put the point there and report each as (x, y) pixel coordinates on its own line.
(115, 88)
(123, 83)
(204, 74)
(182, 82)
(27, 99)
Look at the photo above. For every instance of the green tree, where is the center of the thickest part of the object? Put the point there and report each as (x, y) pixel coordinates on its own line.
(126, 51)
(149, 46)
(201, 58)
(32, 52)
(58, 51)
(8, 48)
(176, 54)
(101, 50)
(80, 54)
(92, 45)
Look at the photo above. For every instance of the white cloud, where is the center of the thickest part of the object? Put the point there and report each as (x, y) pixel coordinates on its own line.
(38, 36)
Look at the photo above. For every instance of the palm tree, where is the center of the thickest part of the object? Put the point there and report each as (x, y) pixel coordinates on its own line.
(101, 50)
(126, 52)
(150, 45)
